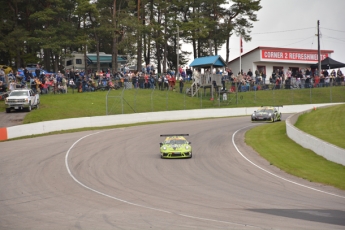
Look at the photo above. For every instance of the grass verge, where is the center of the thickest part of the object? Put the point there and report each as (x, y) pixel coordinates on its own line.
(273, 144)
(326, 123)
(74, 105)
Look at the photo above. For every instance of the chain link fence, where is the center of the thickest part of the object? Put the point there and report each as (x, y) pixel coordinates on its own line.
(137, 100)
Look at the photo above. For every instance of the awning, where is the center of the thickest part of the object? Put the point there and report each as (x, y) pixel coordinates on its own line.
(105, 59)
(208, 61)
(329, 63)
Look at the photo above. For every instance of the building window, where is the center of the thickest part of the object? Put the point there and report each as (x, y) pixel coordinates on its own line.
(70, 62)
(262, 69)
(78, 61)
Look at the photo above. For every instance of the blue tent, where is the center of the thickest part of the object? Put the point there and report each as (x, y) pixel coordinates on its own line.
(208, 62)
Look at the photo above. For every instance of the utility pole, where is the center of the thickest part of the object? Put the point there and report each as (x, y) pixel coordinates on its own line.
(114, 48)
(318, 47)
(178, 52)
(139, 50)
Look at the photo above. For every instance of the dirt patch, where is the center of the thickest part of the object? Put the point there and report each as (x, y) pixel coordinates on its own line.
(11, 119)
(17, 120)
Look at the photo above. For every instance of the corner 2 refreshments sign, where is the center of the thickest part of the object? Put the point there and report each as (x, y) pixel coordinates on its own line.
(291, 55)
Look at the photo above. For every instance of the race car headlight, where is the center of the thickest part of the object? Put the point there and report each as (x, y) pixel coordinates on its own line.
(187, 147)
(270, 114)
(164, 148)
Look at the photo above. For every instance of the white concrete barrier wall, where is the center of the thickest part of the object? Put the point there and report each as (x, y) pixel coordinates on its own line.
(101, 121)
(320, 147)
(329, 151)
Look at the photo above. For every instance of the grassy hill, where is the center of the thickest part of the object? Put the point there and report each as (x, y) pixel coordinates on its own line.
(73, 104)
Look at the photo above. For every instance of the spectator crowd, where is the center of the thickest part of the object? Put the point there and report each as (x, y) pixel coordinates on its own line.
(43, 82)
(289, 79)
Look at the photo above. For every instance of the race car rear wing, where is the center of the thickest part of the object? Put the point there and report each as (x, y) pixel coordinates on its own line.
(272, 106)
(169, 135)
(275, 106)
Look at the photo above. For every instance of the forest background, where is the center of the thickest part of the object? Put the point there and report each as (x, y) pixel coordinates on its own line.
(144, 31)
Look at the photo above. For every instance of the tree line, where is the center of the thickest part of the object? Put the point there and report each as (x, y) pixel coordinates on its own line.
(46, 31)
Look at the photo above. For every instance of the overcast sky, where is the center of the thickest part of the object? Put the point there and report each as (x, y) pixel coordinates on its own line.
(293, 24)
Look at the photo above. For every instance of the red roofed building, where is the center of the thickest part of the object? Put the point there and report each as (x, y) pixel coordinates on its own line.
(269, 59)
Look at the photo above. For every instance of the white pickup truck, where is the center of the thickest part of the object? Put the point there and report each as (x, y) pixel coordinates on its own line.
(22, 99)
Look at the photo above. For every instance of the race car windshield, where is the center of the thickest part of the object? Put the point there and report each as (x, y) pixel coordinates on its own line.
(176, 142)
(266, 110)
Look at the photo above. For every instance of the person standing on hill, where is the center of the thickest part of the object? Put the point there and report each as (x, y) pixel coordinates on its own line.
(134, 81)
(196, 76)
(64, 84)
(250, 74)
(263, 76)
(189, 74)
(146, 84)
(2, 74)
(181, 84)
(3, 87)
(26, 74)
(141, 81)
(257, 76)
(166, 81)
(339, 73)
(183, 74)
(223, 81)
(160, 83)
(33, 84)
(37, 71)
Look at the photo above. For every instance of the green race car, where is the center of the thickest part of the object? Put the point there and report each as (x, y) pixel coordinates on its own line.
(175, 146)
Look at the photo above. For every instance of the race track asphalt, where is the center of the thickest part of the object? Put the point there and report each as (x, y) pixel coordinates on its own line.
(115, 179)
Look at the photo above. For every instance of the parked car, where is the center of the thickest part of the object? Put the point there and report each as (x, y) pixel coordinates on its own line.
(20, 99)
